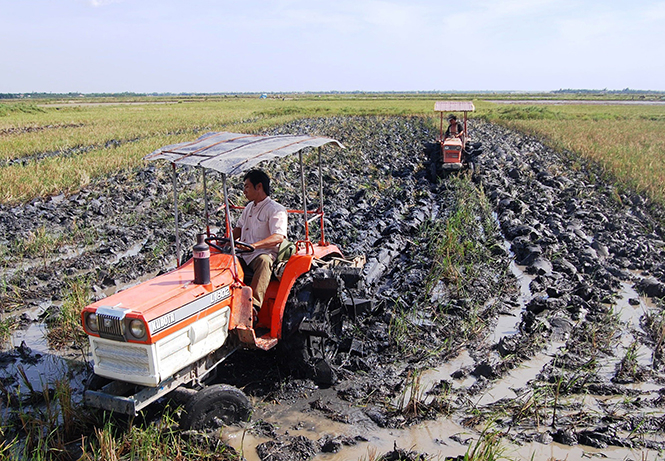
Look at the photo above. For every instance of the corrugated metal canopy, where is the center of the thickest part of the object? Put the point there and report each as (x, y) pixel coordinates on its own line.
(234, 153)
(454, 106)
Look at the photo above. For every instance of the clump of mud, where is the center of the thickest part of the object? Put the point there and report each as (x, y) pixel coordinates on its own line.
(443, 258)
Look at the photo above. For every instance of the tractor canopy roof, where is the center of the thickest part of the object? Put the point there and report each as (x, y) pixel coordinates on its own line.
(454, 106)
(234, 153)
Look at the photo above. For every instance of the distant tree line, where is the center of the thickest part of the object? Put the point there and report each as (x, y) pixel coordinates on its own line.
(72, 95)
(606, 91)
(126, 94)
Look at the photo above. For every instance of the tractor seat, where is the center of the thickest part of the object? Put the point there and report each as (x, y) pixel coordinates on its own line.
(285, 251)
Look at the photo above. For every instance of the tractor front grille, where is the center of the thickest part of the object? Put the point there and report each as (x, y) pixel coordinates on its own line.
(121, 360)
(110, 327)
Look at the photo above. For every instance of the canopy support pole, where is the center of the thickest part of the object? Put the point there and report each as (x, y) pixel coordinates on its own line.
(205, 201)
(304, 195)
(175, 207)
(227, 212)
(322, 242)
(441, 128)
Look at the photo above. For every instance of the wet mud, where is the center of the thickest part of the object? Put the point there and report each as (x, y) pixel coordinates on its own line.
(546, 331)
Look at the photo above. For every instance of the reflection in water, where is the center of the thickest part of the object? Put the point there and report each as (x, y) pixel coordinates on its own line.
(507, 324)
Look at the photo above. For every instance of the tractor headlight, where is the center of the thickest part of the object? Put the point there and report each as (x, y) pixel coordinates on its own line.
(137, 329)
(91, 322)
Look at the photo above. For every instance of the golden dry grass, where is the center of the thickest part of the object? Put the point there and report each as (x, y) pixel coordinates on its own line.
(63, 146)
(634, 154)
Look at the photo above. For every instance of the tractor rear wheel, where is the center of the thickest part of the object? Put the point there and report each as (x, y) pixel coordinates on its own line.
(318, 340)
(216, 406)
(312, 331)
(433, 151)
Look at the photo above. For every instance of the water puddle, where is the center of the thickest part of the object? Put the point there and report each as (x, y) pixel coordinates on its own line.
(430, 378)
(131, 251)
(27, 264)
(507, 324)
(519, 378)
(630, 306)
(556, 451)
(438, 439)
(432, 437)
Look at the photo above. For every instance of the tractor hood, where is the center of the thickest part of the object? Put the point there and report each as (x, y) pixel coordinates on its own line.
(164, 303)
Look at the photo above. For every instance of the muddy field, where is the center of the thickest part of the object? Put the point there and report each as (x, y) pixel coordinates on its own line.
(542, 331)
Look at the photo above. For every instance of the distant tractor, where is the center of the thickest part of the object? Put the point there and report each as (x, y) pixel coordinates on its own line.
(455, 148)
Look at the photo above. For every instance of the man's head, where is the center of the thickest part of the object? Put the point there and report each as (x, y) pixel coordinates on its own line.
(451, 118)
(256, 182)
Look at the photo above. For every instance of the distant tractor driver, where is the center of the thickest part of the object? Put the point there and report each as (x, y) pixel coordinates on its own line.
(455, 127)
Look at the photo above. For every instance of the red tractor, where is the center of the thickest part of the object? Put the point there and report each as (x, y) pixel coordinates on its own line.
(454, 141)
(172, 331)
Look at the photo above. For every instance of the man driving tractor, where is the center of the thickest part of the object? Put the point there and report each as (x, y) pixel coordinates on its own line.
(455, 127)
(263, 224)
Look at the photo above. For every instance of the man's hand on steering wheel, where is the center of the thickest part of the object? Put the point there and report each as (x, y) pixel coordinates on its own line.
(241, 247)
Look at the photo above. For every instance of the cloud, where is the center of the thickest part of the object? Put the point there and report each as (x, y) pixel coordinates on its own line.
(655, 12)
(100, 3)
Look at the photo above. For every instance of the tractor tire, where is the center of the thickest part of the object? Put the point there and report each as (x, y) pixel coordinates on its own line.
(433, 151)
(324, 344)
(475, 172)
(312, 331)
(214, 407)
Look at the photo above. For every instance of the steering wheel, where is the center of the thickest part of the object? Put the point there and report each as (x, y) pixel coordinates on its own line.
(241, 247)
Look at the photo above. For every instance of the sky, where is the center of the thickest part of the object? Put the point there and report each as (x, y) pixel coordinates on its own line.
(207, 46)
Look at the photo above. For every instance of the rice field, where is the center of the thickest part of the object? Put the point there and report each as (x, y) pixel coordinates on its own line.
(52, 147)
(628, 142)
(57, 148)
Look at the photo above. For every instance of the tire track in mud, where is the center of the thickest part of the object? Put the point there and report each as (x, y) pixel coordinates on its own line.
(580, 240)
(586, 244)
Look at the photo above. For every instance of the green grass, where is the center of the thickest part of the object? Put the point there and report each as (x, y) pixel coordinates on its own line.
(36, 244)
(156, 441)
(64, 329)
(46, 433)
(462, 239)
(7, 326)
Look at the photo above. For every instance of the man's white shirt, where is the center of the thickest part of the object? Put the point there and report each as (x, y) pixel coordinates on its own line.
(260, 221)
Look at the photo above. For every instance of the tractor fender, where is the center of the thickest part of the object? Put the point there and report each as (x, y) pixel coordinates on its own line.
(297, 265)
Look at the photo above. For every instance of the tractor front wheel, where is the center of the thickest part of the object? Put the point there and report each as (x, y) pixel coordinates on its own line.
(216, 406)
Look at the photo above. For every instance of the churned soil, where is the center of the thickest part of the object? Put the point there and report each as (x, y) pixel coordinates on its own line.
(552, 264)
